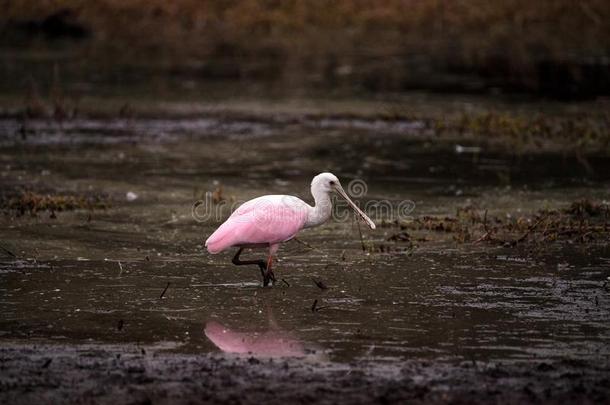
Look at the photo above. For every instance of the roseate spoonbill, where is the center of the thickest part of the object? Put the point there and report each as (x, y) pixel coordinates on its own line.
(271, 343)
(270, 220)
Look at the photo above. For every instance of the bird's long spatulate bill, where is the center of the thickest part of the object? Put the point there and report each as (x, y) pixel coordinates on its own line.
(358, 211)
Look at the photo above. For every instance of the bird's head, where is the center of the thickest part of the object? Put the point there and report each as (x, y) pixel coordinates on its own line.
(326, 182)
(329, 183)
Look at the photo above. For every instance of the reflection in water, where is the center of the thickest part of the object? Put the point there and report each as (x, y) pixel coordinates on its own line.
(274, 342)
(269, 343)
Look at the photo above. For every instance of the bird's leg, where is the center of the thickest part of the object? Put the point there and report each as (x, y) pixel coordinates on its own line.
(260, 263)
(269, 276)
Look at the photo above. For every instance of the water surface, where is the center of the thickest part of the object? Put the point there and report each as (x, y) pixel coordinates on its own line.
(137, 273)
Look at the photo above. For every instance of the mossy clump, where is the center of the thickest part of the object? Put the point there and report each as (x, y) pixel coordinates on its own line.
(587, 208)
(29, 202)
(581, 222)
(583, 131)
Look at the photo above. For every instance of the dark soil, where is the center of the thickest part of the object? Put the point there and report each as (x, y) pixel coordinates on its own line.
(119, 374)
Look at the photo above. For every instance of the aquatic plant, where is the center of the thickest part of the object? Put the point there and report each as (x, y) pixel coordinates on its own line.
(582, 221)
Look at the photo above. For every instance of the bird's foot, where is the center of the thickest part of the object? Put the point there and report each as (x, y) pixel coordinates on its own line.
(268, 278)
(265, 273)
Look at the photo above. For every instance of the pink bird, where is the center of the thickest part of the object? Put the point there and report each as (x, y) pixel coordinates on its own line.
(273, 341)
(270, 343)
(267, 221)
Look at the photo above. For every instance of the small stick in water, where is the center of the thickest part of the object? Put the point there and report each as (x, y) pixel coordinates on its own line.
(286, 282)
(304, 243)
(316, 308)
(7, 251)
(320, 284)
(529, 230)
(163, 293)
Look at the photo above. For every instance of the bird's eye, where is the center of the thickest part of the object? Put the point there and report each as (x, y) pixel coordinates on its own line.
(332, 183)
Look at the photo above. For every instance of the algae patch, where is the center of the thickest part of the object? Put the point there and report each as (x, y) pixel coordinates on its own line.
(30, 202)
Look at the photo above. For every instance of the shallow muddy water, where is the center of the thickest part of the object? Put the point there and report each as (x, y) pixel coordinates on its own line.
(137, 273)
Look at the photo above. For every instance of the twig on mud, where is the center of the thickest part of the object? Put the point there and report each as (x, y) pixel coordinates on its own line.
(315, 307)
(320, 284)
(8, 252)
(164, 290)
(304, 243)
(286, 282)
(487, 235)
(529, 230)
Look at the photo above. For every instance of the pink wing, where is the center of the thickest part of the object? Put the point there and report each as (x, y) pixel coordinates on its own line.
(264, 220)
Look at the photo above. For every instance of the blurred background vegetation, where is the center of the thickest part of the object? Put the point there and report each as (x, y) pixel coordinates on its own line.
(551, 48)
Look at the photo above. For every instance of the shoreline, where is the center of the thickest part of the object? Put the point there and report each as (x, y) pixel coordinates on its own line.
(44, 373)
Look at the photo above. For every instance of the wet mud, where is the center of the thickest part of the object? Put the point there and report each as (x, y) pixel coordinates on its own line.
(107, 293)
(129, 374)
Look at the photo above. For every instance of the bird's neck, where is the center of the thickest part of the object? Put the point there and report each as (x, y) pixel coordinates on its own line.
(321, 211)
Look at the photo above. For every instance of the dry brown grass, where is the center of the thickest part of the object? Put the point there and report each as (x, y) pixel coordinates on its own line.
(33, 203)
(583, 221)
(475, 25)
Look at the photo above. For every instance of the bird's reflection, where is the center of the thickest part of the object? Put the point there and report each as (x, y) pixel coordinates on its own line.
(273, 342)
